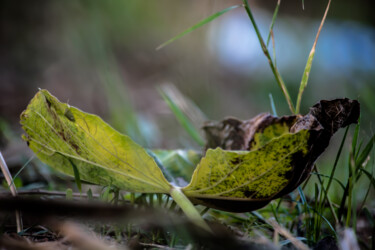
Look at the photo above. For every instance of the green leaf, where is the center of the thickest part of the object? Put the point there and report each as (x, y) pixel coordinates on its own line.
(62, 136)
(198, 25)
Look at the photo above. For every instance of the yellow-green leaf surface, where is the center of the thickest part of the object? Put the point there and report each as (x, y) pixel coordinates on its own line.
(63, 136)
(270, 132)
(248, 175)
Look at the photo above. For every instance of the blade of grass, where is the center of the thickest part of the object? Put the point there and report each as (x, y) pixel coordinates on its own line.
(325, 197)
(270, 34)
(365, 199)
(319, 214)
(12, 187)
(186, 105)
(316, 218)
(306, 73)
(183, 120)
(273, 107)
(330, 179)
(196, 26)
(328, 176)
(355, 137)
(365, 153)
(369, 176)
(76, 175)
(22, 168)
(275, 71)
(273, 21)
(336, 160)
(349, 211)
(371, 220)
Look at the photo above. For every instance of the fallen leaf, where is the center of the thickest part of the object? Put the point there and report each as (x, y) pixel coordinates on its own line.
(63, 136)
(277, 155)
(247, 163)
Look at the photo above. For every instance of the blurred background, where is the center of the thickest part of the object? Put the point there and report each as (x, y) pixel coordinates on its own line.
(101, 57)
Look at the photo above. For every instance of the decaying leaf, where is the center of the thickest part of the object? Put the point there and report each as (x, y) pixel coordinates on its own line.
(276, 155)
(246, 165)
(63, 137)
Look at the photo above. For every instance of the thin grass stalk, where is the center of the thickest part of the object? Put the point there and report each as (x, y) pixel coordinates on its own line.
(275, 72)
(271, 34)
(316, 218)
(273, 49)
(196, 26)
(330, 179)
(13, 190)
(348, 214)
(273, 21)
(355, 138)
(273, 107)
(372, 181)
(182, 118)
(324, 196)
(306, 73)
(335, 179)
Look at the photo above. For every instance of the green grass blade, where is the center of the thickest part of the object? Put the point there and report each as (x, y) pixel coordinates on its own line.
(325, 197)
(21, 169)
(182, 119)
(369, 176)
(365, 153)
(273, 21)
(198, 25)
(342, 205)
(327, 221)
(369, 217)
(355, 138)
(336, 160)
(76, 175)
(275, 71)
(273, 107)
(328, 176)
(306, 73)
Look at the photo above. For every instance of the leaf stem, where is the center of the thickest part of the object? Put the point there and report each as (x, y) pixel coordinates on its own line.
(188, 208)
(275, 72)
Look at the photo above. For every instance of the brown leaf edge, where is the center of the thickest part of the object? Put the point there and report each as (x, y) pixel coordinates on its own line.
(323, 120)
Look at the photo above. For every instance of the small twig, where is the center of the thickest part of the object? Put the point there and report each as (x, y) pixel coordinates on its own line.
(12, 187)
(52, 193)
(155, 246)
(284, 232)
